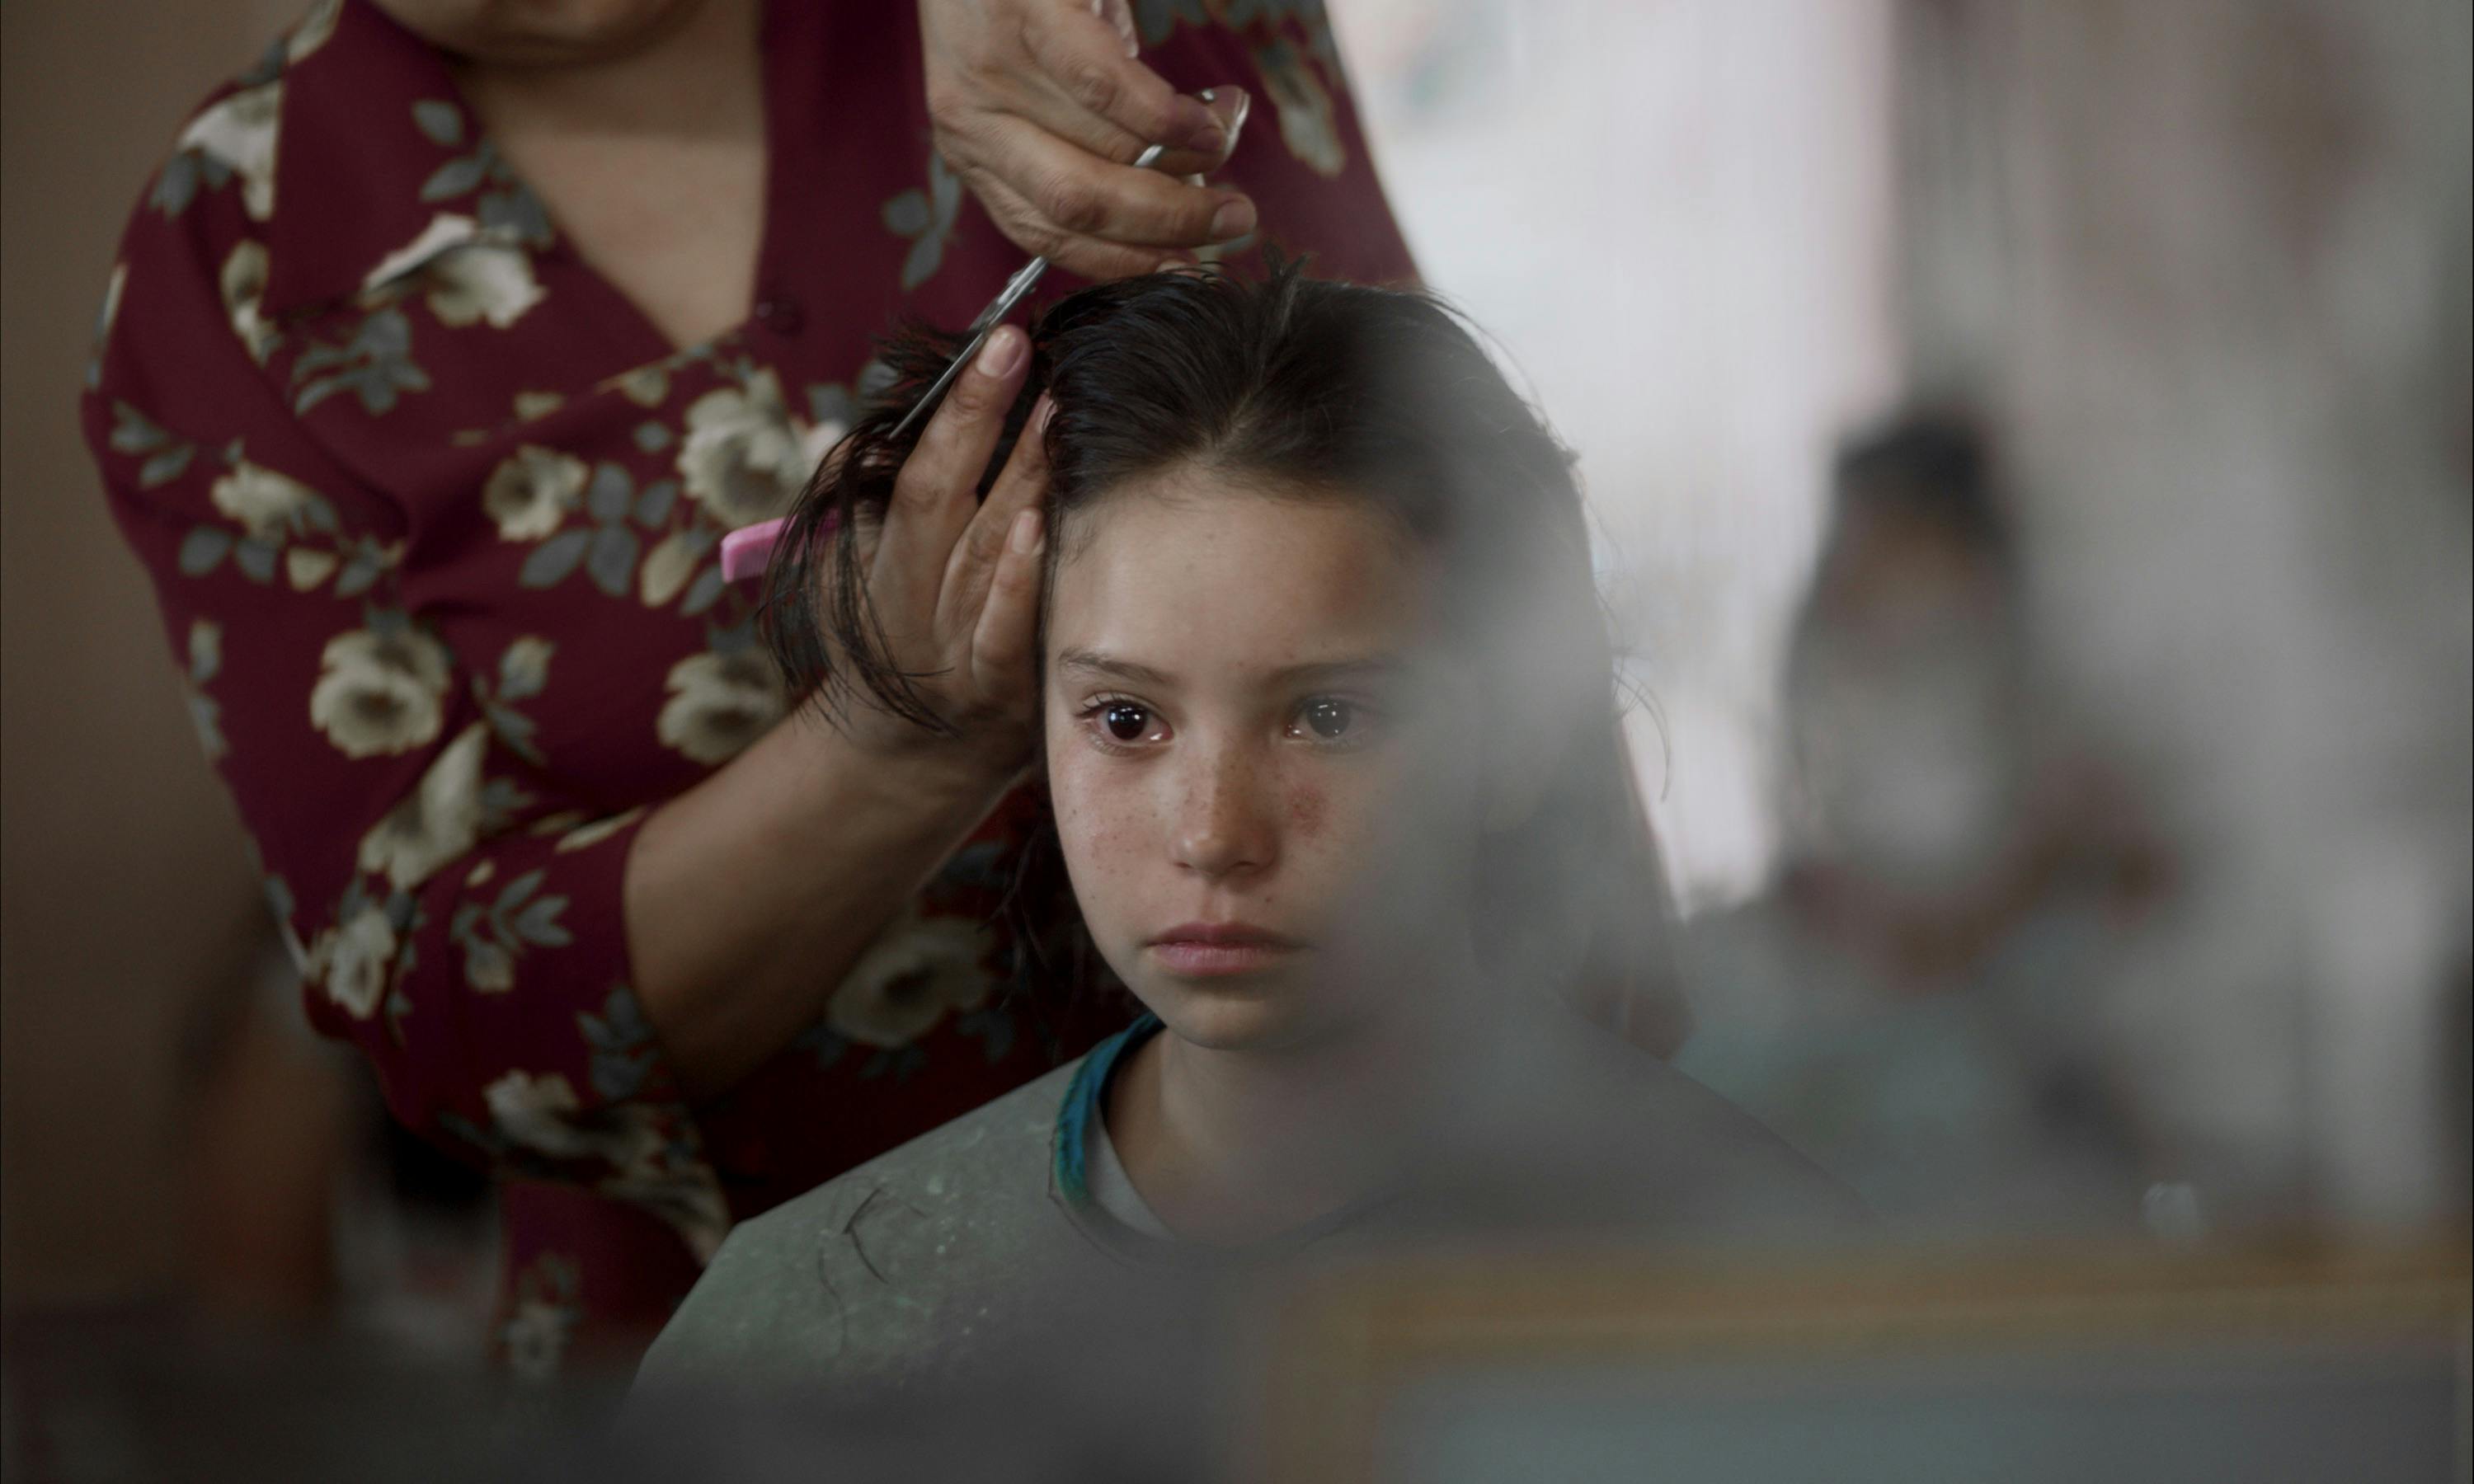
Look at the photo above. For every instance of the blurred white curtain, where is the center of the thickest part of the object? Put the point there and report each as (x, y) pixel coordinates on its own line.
(1675, 218)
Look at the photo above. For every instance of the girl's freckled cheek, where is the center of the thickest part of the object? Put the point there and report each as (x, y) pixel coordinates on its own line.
(1307, 809)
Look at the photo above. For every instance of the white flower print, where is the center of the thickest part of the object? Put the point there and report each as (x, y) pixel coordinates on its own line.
(524, 668)
(109, 315)
(720, 703)
(313, 30)
(685, 1194)
(468, 274)
(651, 1165)
(488, 969)
(447, 230)
(540, 1113)
(239, 133)
(670, 564)
(267, 504)
(1306, 124)
(244, 285)
(486, 280)
(537, 1111)
(530, 492)
(380, 692)
(306, 567)
(586, 835)
(205, 662)
(439, 821)
(354, 960)
(915, 971)
(743, 459)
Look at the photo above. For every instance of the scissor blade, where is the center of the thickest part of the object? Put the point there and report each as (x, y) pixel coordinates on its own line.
(1016, 288)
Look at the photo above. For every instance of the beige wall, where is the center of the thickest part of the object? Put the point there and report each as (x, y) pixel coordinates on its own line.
(124, 892)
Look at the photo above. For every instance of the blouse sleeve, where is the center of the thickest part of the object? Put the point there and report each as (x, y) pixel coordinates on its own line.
(454, 914)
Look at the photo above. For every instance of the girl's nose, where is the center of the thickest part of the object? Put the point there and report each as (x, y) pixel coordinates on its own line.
(1224, 828)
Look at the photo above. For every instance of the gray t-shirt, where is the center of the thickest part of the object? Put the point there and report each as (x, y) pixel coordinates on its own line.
(1013, 1230)
(1113, 1191)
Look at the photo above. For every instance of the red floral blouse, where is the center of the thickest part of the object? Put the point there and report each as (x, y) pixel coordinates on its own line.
(432, 511)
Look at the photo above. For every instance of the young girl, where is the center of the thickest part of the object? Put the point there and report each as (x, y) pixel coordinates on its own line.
(1332, 739)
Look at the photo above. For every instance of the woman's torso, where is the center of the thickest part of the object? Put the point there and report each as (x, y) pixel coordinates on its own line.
(546, 479)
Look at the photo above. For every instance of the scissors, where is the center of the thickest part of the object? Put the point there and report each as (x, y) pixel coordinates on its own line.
(745, 551)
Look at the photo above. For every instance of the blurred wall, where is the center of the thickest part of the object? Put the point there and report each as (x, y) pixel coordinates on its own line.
(2208, 266)
(125, 893)
(1675, 220)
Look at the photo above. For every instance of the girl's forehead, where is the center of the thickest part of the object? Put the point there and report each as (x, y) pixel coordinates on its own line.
(1189, 563)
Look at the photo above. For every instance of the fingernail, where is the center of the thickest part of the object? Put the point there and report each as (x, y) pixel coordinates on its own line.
(1233, 220)
(1025, 536)
(1002, 351)
(1040, 414)
(1231, 105)
(1209, 131)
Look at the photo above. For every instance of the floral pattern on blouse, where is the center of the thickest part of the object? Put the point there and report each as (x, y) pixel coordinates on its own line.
(433, 515)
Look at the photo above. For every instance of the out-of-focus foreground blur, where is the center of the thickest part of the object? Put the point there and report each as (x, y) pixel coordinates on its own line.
(2033, 452)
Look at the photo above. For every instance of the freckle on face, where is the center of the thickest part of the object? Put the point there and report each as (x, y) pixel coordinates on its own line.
(1306, 809)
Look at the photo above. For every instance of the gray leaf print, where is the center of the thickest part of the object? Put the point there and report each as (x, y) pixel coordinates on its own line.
(131, 431)
(203, 548)
(177, 186)
(610, 493)
(455, 177)
(703, 592)
(255, 559)
(553, 559)
(653, 507)
(612, 561)
(921, 262)
(440, 120)
(907, 215)
(538, 924)
(164, 467)
(359, 573)
(516, 212)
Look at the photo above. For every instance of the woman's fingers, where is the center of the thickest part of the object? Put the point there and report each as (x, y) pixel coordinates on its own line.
(1078, 194)
(1001, 644)
(1091, 257)
(937, 490)
(1082, 61)
(1022, 486)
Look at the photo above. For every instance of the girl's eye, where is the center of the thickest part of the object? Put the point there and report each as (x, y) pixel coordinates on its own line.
(1327, 718)
(1125, 721)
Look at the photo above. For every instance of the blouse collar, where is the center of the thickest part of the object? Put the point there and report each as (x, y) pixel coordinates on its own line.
(379, 165)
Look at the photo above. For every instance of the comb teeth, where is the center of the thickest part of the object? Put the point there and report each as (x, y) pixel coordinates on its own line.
(745, 550)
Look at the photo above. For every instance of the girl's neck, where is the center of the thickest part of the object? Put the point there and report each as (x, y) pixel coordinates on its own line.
(1231, 1147)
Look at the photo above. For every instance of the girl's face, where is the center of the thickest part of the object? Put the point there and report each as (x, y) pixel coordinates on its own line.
(1265, 786)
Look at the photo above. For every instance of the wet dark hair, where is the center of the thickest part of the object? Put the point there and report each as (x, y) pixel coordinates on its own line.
(1313, 389)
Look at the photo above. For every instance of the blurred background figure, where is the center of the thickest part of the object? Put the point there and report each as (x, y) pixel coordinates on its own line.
(1915, 1001)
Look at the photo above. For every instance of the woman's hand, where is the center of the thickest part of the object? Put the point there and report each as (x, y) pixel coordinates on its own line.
(1041, 109)
(954, 583)
(750, 895)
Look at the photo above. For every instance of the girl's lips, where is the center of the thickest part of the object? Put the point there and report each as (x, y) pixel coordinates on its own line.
(1205, 948)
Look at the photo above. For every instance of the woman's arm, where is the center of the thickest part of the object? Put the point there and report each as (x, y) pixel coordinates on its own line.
(749, 895)
(459, 912)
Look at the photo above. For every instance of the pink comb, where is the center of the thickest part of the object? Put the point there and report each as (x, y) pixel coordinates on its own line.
(745, 550)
